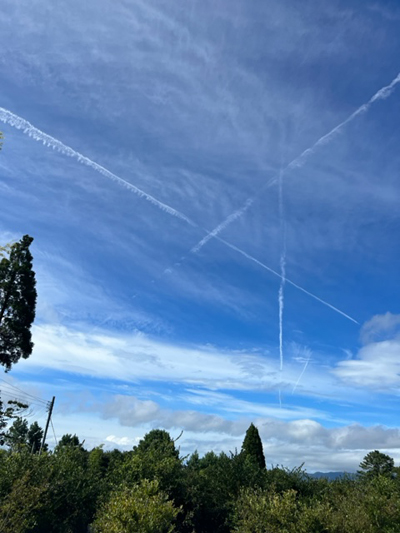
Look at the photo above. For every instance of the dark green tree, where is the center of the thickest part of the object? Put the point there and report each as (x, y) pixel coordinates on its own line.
(34, 438)
(70, 441)
(252, 446)
(12, 411)
(17, 303)
(160, 441)
(376, 464)
(17, 435)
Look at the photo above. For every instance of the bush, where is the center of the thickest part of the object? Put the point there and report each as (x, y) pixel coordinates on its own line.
(139, 509)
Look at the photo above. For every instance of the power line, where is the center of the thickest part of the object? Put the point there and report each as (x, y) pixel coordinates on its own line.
(21, 399)
(23, 392)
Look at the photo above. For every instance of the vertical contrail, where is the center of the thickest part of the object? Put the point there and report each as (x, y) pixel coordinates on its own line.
(383, 93)
(282, 262)
(21, 124)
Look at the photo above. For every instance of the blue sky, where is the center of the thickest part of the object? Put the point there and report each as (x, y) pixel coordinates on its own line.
(213, 192)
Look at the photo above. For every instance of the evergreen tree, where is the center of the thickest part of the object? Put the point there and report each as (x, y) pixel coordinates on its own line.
(69, 441)
(17, 303)
(34, 438)
(17, 436)
(376, 464)
(252, 446)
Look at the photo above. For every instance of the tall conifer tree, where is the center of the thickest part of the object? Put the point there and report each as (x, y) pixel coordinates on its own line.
(17, 303)
(252, 446)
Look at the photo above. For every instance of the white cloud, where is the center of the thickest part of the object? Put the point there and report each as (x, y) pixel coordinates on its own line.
(377, 366)
(136, 357)
(377, 363)
(380, 327)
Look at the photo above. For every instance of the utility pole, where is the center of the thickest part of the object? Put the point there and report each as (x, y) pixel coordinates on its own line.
(47, 424)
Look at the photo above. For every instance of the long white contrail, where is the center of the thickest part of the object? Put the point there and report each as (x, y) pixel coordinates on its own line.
(299, 161)
(287, 280)
(20, 123)
(302, 372)
(223, 225)
(282, 262)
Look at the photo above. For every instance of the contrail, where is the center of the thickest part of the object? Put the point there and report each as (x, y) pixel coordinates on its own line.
(383, 93)
(302, 372)
(282, 262)
(21, 124)
(287, 280)
(223, 225)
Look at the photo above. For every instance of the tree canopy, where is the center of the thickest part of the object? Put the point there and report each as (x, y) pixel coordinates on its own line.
(376, 464)
(17, 302)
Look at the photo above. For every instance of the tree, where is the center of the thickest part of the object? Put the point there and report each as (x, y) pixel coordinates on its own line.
(159, 441)
(16, 436)
(17, 303)
(252, 446)
(34, 438)
(13, 411)
(1, 140)
(70, 441)
(376, 464)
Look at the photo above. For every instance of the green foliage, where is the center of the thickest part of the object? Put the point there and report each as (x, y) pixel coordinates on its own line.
(17, 435)
(13, 410)
(34, 438)
(252, 446)
(69, 440)
(157, 440)
(55, 493)
(142, 508)
(151, 489)
(20, 435)
(212, 486)
(155, 458)
(376, 464)
(263, 511)
(17, 303)
(344, 506)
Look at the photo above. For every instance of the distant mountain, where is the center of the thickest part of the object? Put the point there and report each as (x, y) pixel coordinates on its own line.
(332, 475)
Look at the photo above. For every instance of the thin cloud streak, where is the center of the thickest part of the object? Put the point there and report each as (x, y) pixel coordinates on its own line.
(20, 123)
(302, 372)
(383, 93)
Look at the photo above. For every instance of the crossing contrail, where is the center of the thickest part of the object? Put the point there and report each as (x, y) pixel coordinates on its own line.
(383, 93)
(287, 280)
(20, 123)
